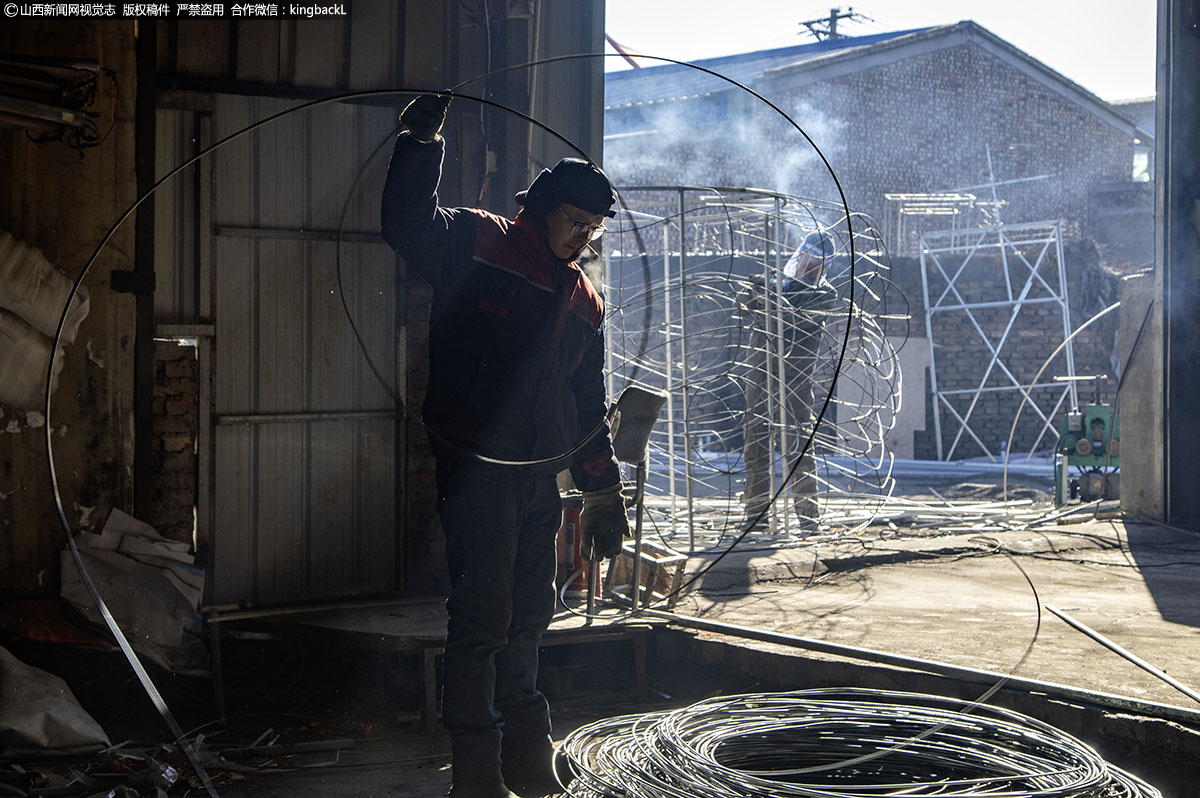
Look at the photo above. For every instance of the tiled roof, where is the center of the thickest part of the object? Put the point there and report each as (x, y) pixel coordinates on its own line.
(677, 81)
(668, 80)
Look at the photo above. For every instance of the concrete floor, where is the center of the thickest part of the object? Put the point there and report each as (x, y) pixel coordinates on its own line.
(971, 600)
(978, 600)
(975, 601)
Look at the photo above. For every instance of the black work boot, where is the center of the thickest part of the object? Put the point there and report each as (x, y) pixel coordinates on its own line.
(529, 767)
(475, 765)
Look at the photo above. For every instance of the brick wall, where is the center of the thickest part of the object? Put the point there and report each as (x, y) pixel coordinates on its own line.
(961, 355)
(175, 424)
(925, 123)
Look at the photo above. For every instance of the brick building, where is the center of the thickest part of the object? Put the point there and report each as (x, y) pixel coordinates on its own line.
(903, 112)
(951, 108)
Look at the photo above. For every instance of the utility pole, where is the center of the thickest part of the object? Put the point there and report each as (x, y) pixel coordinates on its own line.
(826, 27)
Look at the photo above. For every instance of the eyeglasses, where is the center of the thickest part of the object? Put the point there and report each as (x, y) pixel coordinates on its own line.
(593, 231)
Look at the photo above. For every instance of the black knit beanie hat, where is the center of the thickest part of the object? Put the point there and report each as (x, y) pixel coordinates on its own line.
(574, 181)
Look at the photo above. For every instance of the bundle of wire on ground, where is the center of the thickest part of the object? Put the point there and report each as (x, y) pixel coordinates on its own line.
(841, 742)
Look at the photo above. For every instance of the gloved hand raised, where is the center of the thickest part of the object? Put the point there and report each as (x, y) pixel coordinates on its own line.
(603, 523)
(425, 115)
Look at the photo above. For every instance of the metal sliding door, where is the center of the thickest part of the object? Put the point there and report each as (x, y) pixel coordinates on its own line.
(306, 447)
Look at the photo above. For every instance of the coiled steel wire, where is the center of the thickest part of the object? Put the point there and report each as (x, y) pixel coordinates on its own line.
(837, 743)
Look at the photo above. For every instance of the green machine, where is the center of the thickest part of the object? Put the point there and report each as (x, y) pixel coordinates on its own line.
(1089, 438)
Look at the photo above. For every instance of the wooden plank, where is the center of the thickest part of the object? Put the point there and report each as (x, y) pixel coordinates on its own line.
(205, 443)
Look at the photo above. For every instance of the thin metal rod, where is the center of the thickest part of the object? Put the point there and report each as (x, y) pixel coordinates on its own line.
(610, 375)
(1057, 300)
(686, 372)
(780, 509)
(1004, 388)
(668, 370)
(956, 247)
(1116, 649)
(995, 183)
(593, 575)
(996, 203)
(768, 388)
(934, 234)
(971, 250)
(296, 418)
(349, 236)
(933, 383)
(995, 350)
(1066, 313)
(1016, 305)
(635, 593)
(963, 427)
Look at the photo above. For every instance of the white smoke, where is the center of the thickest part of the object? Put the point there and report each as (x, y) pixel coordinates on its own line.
(748, 144)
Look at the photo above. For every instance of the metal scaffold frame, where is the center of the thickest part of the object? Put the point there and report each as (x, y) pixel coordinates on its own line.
(1015, 245)
(701, 305)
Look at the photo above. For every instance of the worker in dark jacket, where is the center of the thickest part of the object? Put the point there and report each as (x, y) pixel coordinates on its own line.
(515, 383)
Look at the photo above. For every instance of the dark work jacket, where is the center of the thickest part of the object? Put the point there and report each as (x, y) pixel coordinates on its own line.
(516, 351)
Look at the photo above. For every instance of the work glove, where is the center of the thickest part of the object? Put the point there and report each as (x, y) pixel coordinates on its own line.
(603, 523)
(425, 115)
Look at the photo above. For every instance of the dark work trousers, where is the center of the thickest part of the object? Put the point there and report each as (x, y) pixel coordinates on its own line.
(500, 525)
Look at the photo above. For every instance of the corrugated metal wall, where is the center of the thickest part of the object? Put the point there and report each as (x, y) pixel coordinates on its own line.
(306, 498)
(305, 434)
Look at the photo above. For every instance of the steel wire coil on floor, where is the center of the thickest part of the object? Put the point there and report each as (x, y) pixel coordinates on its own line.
(837, 743)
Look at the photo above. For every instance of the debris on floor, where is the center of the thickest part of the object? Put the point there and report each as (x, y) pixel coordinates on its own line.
(151, 586)
(38, 713)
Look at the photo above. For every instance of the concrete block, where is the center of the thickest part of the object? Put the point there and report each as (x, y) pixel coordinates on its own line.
(1140, 402)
